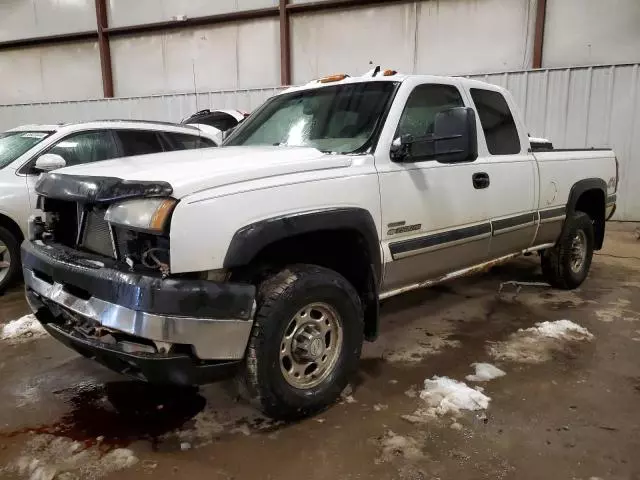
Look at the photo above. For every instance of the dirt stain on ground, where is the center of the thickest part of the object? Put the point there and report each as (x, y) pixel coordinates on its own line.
(117, 414)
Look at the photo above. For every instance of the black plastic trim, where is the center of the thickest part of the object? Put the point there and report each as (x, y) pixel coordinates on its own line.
(582, 186)
(178, 369)
(250, 240)
(598, 223)
(553, 212)
(439, 238)
(524, 219)
(140, 292)
(88, 189)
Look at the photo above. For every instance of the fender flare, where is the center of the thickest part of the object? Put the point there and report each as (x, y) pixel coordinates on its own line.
(577, 190)
(251, 239)
(582, 186)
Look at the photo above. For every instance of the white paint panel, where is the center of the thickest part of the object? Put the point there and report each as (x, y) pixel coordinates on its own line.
(591, 32)
(133, 12)
(61, 72)
(347, 41)
(36, 18)
(467, 36)
(231, 56)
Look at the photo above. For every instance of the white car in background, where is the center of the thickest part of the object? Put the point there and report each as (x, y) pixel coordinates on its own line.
(218, 123)
(27, 151)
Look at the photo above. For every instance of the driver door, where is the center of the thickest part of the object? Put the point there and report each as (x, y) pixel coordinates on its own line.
(435, 216)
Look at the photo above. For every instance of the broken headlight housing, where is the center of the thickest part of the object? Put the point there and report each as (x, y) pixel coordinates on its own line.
(149, 215)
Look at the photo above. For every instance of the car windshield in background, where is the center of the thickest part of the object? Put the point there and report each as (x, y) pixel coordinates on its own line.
(14, 144)
(340, 118)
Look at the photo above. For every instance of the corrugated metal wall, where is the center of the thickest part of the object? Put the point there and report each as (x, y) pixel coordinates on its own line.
(170, 108)
(585, 107)
(574, 107)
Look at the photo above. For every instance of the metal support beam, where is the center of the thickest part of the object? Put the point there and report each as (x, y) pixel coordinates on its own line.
(324, 5)
(104, 48)
(538, 42)
(285, 45)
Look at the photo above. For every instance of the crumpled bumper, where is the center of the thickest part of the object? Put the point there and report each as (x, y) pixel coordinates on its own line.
(212, 320)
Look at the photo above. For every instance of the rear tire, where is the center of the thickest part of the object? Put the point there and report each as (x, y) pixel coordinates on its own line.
(9, 258)
(567, 264)
(305, 343)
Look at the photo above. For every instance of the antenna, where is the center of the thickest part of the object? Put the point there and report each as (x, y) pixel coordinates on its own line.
(195, 89)
(195, 86)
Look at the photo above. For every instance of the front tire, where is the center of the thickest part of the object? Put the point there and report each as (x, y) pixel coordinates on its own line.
(567, 264)
(305, 343)
(9, 258)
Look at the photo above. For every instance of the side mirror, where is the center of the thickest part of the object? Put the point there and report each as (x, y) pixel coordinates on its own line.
(454, 132)
(401, 147)
(49, 162)
(453, 140)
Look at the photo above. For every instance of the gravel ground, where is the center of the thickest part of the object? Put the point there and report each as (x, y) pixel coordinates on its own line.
(466, 382)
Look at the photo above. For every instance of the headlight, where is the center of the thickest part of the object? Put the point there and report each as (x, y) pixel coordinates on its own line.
(148, 214)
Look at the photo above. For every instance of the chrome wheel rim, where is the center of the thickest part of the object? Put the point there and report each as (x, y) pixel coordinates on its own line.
(5, 260)
(578, 254)
(311, 345)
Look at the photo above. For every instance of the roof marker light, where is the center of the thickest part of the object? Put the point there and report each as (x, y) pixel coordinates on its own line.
(333, 78)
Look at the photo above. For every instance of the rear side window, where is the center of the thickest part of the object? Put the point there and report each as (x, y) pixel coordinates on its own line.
(139, 142)
(497, 122)
(184, 141)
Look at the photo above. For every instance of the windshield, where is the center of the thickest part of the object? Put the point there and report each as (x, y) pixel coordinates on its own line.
(14, 144)
(340, 118)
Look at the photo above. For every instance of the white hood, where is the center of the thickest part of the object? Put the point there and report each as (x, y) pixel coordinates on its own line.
(191, 171)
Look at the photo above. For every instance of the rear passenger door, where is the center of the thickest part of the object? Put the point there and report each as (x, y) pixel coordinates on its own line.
(511, 171)
(139, 142)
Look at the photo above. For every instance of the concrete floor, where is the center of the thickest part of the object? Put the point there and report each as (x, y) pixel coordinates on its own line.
(573, 415)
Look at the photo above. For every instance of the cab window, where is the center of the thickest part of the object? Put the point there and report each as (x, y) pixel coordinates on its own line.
(497, 122)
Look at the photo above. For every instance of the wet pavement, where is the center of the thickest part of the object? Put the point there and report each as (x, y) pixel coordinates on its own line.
(568, 411)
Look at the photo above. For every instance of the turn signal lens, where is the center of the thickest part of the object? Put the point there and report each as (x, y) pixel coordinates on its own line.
(388, 73)
(159, 218)
(147, 214)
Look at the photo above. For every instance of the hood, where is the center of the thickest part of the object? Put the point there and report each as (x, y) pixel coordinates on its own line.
(191, 171)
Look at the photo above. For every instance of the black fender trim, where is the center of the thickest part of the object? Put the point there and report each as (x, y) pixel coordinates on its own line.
(574, 195)
(582, 186)
(250, 240)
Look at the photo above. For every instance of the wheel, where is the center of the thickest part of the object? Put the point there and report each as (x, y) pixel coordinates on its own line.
(567, 264)
(305, 343)
(9, 258)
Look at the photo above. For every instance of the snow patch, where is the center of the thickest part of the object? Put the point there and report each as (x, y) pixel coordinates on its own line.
(22, 329)
(394, 446)
(538, 344)
(447, 396)
(46, 457)
(617, 311)
(484, 372)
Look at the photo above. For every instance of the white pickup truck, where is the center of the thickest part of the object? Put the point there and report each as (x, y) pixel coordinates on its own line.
(267, 259)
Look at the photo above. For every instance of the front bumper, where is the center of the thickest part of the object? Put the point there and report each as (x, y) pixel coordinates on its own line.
(214, 319)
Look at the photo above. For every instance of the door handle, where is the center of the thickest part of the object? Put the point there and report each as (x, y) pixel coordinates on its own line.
(481, 180)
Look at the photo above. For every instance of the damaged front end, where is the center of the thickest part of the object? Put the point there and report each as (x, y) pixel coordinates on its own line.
(97, 275)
